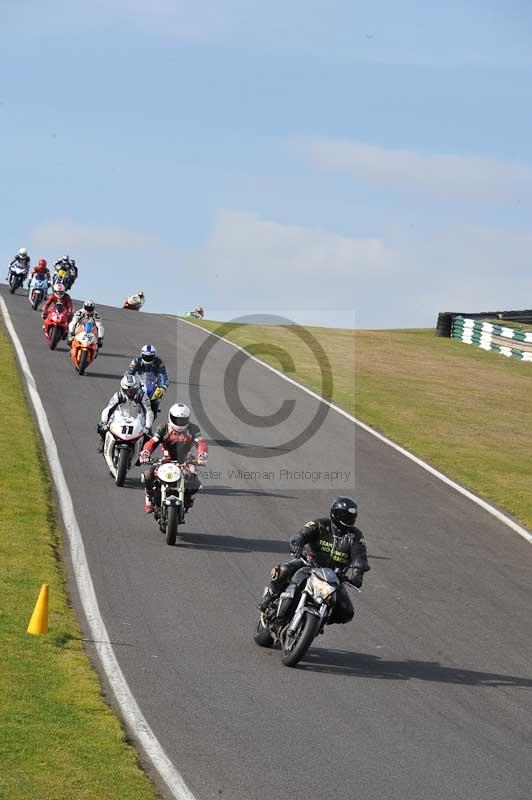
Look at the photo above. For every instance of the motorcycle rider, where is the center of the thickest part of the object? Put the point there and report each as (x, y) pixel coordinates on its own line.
(59, 295)
(199, 311)
(130, 391)
(21, 259)
(149, 361)
(86, 314)
(41, 268)
(178, 437)
(333, 541)
(69, 265)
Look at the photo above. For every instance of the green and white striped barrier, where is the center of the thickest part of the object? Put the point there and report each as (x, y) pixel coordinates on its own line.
(496, 338)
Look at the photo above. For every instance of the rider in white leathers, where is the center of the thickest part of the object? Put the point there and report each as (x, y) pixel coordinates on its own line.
(86, 314)
(130, 391)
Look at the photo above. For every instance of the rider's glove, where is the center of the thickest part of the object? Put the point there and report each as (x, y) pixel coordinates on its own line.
(144, 457)
(202, 458)
(102, 428)
(158, 393)
(296, 546)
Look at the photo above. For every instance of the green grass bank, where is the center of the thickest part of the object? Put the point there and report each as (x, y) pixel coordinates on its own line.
(466, 411)
(58, 738)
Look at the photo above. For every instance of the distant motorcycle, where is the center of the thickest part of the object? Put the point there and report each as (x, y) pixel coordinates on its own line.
(55, 325)
(38, 290)
(84, 347)
(123, 440)
(300, 613)
(63, 276)
(17, 275)
(169, 496)
(134, 302)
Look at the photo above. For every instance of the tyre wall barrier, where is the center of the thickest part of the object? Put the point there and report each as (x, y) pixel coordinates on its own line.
(445, 318)
(508, 342)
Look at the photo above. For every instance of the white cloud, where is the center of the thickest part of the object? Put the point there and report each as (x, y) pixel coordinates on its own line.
(65, 235)
(250, 266)
(470, 176)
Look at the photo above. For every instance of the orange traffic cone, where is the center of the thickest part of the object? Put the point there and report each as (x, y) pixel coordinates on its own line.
(39, 618)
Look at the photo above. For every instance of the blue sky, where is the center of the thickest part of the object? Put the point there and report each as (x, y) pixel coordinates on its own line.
(334, 162)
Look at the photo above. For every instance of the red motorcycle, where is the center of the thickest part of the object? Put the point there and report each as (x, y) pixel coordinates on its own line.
(55, 326)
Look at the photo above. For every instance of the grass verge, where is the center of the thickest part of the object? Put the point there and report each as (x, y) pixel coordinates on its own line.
(59, 738)
(466, 411)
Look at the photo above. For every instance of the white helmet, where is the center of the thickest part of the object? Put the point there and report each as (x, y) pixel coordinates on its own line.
(23, 252)
(59, 289)
(179, 417)
(130, 384)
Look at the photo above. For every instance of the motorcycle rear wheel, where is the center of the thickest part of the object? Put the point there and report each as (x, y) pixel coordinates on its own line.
(262, 635)
(55, 337)
(121, 467)
(305, 637)
(171, 525)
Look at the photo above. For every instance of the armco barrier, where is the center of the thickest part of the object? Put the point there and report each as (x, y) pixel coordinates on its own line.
(491, 336)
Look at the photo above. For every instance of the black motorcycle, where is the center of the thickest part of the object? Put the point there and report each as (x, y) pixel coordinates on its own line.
(169, 496)
(300, 613)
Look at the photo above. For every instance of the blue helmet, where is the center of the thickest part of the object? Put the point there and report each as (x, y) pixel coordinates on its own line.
(148, 354)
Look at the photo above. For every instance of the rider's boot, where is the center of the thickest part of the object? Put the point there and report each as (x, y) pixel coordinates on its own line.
(148, 504)
(267, 598)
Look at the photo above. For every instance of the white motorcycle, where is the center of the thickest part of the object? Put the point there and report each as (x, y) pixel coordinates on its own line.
(38, 290)
(123, 440)
(17, 275)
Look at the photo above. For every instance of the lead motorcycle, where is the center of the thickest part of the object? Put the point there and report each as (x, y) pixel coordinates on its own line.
(301, 612)
(17, 274)
(169, 495)
(123, 440)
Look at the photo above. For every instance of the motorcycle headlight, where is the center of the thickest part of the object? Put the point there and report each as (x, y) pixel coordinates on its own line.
(321, 590)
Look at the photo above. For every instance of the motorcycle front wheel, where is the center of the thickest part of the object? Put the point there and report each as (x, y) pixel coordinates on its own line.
(82, 364)
(12, 287)
(121, 466)
(55, 337)
(293, 649)
(36, 301)
(171, 525)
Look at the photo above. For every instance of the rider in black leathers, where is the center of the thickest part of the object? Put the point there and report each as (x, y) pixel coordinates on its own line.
(333, 542)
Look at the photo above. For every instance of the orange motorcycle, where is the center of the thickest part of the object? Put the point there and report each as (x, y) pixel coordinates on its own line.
(84, 347)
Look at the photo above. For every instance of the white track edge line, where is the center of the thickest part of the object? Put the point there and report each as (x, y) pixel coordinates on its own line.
(128, 705)
(436, 473)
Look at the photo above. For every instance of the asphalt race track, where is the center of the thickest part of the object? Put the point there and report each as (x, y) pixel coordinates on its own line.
(426, 696)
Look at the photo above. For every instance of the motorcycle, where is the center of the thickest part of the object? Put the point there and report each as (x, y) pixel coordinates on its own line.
(123, 440)
(63, 276)
(169, 496)
(38, 290)
(193, 314)
(17, 275)
(300, 613)
(55, 325)
(84, 347)
(133, 303)
(150, 383)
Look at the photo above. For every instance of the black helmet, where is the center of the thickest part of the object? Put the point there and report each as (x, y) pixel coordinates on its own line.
(344, 512)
